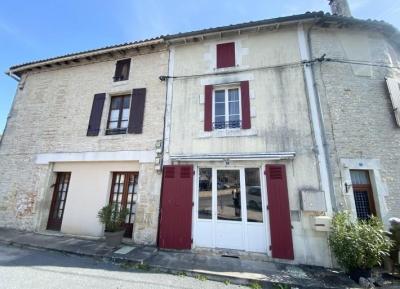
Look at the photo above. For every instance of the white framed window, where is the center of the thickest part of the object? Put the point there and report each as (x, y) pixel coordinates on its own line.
(227, 113)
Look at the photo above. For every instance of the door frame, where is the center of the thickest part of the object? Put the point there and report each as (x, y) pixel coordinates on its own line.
(54, 225)
(124, 197)
(244, 222)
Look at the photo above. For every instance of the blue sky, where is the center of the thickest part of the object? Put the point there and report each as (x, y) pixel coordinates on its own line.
(31, 30)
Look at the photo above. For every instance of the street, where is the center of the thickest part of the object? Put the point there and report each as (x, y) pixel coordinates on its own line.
(37, 269)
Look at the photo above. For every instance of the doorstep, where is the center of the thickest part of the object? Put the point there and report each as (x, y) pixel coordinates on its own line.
(213, 266)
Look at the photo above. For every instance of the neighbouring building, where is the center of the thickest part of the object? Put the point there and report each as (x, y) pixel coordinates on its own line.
(84, 130)
(242, 139)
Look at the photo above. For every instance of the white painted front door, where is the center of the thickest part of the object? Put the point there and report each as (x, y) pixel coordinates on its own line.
(230, 209)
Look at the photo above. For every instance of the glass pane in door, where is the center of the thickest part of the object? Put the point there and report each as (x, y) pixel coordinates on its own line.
(228, 195)
(205, 193)
(253, 195)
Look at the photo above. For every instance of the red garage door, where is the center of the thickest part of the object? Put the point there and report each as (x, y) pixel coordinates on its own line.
(279, 212)
(176, 208)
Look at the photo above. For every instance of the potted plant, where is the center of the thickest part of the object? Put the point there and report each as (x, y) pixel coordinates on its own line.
(358, 245)
(113, 220)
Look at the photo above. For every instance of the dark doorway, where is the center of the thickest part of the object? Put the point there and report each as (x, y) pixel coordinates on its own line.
(58, 201)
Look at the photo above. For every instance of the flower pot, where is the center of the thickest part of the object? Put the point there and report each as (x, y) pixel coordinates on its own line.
(359, 272)
(114, 239)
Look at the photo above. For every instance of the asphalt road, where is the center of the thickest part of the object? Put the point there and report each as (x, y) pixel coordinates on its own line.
(37, 269)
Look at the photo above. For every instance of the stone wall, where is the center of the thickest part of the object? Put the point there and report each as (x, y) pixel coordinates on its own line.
(50, 115)
(357, 110)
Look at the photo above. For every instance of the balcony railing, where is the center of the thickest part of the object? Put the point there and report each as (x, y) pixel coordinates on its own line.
(227, 124)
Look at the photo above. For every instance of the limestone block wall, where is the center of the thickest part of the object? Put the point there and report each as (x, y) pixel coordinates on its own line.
(358, 114)
(50, 114)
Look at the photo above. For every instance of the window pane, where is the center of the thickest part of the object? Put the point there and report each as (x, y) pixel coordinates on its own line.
(219, 122)
(125, 71)
(359, 177)
(125, 114)
(233, 94)
(126, 101)
(205, 193)
(220, 109)
(362, 204)
(113, 124)
(234, 107)
(228, 195)
(114, 115)
(124, 124)
(220, 96)
(115, 102)
(253, 195)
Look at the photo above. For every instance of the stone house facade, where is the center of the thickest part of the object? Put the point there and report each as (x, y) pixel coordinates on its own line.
(360, 114)
(243, 139)
(48, 133)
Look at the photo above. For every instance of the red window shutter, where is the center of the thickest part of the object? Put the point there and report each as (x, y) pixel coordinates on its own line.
(226, 55)
(279, 212)
(175, 228)
(208, 108)
(136, 114)
(95, 114)
(244, 91)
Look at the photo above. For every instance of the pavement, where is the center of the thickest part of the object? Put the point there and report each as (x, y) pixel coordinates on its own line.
(22, 268)
(184, 263)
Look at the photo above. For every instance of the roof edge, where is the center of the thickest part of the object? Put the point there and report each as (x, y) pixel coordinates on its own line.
(308, 16)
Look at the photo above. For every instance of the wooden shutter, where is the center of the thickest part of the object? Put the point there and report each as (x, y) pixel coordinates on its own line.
(244, 91)
(175, 229)
(208, 107)
(95, 115)
(279, 212)
(137, 110)
(226, 55)
(394, 91)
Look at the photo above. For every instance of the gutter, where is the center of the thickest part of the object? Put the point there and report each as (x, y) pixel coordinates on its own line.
(12, 75)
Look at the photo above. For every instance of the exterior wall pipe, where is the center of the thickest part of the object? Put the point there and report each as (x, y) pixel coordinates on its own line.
(316, 118)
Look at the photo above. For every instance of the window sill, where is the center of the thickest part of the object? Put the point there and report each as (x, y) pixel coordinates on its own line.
(227, 69)
(228, 133)
(120, 83)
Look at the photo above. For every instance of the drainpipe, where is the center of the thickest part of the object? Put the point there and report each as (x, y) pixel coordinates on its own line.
(168, 106)
(316, 119)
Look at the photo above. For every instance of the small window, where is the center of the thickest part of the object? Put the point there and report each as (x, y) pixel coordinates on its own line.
(226, 55)
(227, 112)
(119, 114)
(122, 70)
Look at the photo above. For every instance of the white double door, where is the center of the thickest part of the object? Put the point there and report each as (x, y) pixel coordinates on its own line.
(230, 209)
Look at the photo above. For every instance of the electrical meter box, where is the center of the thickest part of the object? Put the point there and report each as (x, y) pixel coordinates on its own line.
(313, 201)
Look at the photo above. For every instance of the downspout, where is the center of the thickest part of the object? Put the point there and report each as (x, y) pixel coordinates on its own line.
(323, 131)
(316, 119)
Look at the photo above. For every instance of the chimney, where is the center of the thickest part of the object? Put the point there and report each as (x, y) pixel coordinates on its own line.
(340, 7)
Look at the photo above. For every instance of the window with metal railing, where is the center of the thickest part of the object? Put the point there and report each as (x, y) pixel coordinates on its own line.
(227, 112)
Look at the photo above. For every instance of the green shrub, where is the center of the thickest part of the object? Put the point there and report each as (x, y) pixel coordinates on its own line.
(112, 218)
(358, 244)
